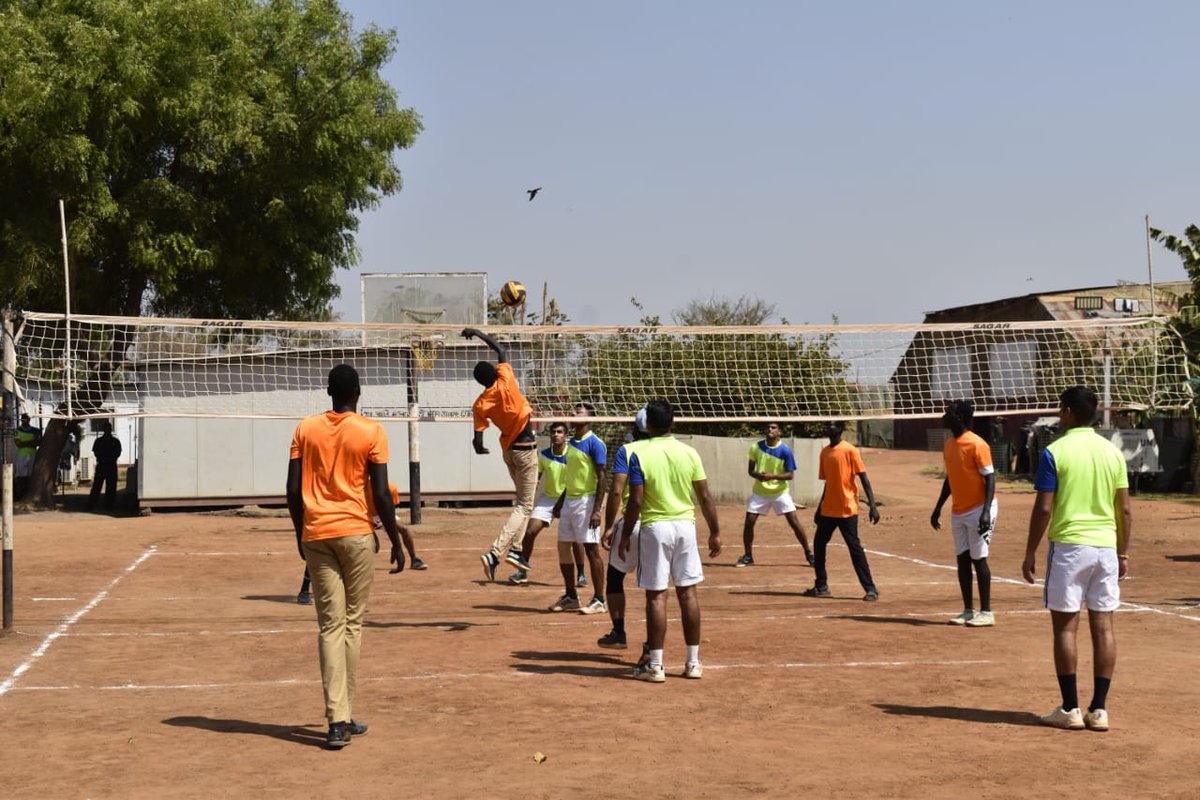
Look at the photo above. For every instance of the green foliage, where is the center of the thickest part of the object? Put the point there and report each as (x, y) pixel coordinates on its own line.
(213, 155)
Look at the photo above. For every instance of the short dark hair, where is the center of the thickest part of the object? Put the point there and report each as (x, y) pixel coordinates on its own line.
(962, 410)
(660, 415)
(485, 373)
(1082, 401)
(588, 407)
(840, 424)
(343, 382)
(556, 424)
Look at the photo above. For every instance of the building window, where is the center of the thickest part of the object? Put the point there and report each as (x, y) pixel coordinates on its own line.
(1011, 366)
(951, 378)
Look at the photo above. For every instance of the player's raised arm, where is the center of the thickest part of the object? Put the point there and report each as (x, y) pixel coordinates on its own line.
(499, 349)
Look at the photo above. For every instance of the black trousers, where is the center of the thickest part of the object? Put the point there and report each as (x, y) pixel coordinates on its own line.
(849, 528)
(106, 475)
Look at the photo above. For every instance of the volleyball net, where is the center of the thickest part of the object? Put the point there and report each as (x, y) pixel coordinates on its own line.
(76, 368)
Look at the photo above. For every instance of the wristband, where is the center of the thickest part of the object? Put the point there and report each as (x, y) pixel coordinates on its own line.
(1123, 555)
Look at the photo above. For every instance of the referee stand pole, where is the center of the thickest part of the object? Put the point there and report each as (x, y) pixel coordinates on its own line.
(7, 448)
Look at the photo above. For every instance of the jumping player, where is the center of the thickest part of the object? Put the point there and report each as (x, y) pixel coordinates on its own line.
(619, 566)
(502, 403)
(663, 474)
(971, 480)
(579, 522)
(552, 464)
(772, 465)
(838, 510)
(1083, 497)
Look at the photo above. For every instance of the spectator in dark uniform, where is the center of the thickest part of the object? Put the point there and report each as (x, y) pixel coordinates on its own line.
(106, 449)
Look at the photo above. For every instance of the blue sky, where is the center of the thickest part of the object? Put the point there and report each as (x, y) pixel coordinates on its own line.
(869, 160)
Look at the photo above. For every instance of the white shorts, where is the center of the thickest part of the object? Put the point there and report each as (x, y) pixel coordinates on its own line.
(965, 527)
(781, 503)
(629, 563)
(1078, 572)
(575, 521)
(667, 553)
(543, 509)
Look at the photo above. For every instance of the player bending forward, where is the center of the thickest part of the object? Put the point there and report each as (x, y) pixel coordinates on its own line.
(772, 465)
(663, 474)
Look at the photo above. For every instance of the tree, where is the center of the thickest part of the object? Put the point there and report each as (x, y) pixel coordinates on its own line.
(1186, 320)
(213, 156)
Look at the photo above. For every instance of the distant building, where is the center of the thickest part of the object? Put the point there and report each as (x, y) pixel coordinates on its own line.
(1003, 370)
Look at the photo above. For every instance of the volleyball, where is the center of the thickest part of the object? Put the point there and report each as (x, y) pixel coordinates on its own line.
(512, 293)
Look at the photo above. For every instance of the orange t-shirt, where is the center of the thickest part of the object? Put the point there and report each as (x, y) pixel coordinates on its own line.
(838, 466)
(968, 459)
(503, 404)
(335, 448)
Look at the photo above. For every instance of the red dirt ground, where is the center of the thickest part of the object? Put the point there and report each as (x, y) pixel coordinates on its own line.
(193, 673)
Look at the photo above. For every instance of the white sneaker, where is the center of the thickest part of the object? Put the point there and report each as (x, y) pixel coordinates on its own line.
(984, 619)
(1096, 720)
(963, 618)
(1061, 718)
(595, 606)
(694, 670)
(653, 673)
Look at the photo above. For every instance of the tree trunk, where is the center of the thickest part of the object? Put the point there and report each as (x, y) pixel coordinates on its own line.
(44, 479)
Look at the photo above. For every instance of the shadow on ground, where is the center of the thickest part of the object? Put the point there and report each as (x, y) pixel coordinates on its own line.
(989, 716)
(617, 667)
(298, 734)
(449, 626)
(1190, 557)
(891, 620)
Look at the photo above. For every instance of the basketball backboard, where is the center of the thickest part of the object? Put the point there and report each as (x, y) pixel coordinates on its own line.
(425, 298)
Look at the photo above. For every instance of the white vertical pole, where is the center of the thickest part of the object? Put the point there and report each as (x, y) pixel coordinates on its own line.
(1153, 313)
(1107, 416)
(62, 216)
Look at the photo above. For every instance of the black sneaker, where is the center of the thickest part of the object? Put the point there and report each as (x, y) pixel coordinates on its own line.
(745, 561)
(613, 641)
(357, 728)
(871, 596)
(338, 736)
(517, 560)
(419, 564)
(490, 562)
(817, 591)
(304, 599)
(519, 578)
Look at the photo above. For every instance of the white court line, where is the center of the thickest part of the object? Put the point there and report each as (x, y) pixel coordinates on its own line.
(1038, 585)
(46, 599)
(69, 621)
(502, 674)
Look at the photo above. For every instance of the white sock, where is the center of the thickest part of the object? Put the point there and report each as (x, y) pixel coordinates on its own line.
(656, 657)
(693, 654)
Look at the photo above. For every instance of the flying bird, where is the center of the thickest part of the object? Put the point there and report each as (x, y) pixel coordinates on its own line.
(533, 193)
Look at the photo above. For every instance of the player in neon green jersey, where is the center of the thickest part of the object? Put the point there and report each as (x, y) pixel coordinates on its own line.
(772, 465)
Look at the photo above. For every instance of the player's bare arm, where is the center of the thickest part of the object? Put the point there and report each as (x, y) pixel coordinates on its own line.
(497, 348)
(989, 492)
(708, 507)
(1039, 521)
(611, 509)
(1124, 530)
(633, 510)
(866, 484)
(387, 511)
(599, 501)
(295, 500)
(935, 520)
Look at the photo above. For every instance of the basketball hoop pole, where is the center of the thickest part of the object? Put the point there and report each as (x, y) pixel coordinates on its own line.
(414, 438)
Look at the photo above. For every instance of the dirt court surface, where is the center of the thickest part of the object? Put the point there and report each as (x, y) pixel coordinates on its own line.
(165, 656)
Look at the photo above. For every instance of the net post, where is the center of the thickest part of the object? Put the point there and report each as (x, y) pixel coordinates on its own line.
(414, 439)
(7, 429)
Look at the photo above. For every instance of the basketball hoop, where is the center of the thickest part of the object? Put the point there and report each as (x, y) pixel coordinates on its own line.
(425, 350)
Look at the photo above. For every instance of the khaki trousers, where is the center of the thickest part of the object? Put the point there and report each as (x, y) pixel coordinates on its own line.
(523, 469)
(342, 570)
